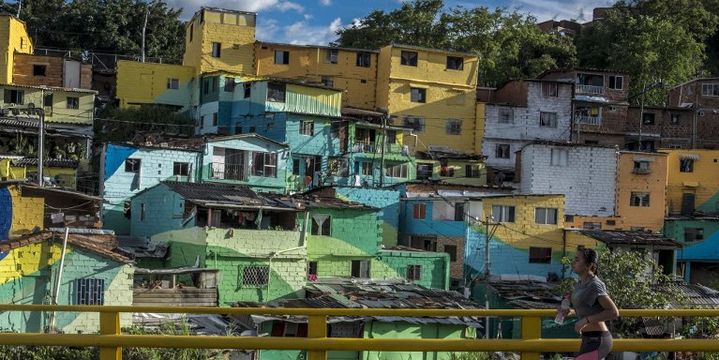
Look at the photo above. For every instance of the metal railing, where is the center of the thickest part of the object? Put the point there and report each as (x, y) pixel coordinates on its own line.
(376, 148)
(224, 171)
(590, 89)
(589, 120)
(317, 343)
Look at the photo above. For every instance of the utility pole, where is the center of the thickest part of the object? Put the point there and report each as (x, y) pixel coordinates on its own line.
(384, 143)
(32, 110)
(144, 29)
(487, 239)
(19, 7)
(641, 114)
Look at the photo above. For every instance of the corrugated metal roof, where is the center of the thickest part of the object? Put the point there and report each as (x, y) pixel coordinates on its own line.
(615, 237)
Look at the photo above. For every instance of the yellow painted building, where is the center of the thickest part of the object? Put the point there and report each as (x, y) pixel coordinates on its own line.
(640, 200)
(66, 176)
(353, 70)
(62, 105)
(692, 181)
(13, 38)
(28, 213)
(162, 84)
(220, 39)
(432, 91)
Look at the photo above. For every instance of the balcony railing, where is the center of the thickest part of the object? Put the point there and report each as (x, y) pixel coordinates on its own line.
(589, 120)
(589, 89)
(224, 171)
(318, 343)
(641, 171)
(377, 148)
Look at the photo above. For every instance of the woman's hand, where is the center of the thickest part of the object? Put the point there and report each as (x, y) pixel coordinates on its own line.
(580, 324)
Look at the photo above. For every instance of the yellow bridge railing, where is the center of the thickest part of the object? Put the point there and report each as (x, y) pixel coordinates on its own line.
(111, 340)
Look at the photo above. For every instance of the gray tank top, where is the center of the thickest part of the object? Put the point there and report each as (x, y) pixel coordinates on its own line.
(584, 297)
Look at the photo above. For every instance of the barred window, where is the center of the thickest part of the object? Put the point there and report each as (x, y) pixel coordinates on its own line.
(453, 127)
(414, 272)
(415, 123)
(90, 292)
(255, 275)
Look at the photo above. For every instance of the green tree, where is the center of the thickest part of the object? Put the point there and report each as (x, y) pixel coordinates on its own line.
(509, 44)
(113, 26)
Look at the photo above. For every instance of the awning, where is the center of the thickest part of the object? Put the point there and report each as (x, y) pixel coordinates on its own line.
(689, 156)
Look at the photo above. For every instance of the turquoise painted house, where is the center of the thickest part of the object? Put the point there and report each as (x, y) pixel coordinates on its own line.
(245, 159)
(698, 259)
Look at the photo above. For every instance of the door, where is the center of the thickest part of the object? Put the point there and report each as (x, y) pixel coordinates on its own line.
(688, 204)
(71, 78)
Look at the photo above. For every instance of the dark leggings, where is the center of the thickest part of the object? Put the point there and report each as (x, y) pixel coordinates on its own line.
(595, 345)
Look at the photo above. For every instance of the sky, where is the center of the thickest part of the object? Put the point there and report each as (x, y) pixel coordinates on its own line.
(316, 21)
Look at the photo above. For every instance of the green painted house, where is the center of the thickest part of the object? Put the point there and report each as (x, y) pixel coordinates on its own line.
(345, 293)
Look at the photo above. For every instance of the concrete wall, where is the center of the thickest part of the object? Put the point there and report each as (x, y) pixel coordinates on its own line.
(26, 275)
(119, 186)
(702, 182)
(705, 251)
(163, 211)
(392, 264)
(387, 200)
(59, 111)
(147, 83)
(20, 214)
(310, 63)
(54, 68)
(588, 181)
(13, 38)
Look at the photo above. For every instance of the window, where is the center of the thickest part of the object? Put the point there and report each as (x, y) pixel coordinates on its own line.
(502, 151)
(592, 225)
(503, 213)
(472, 171)
(366, 168)
(255, 276)
(611, 222)
(419, 211)
(282, 57)
(408, 58)
(264, 164)
(540, 255)
(546, 216)
(550, 89)
(424, 171)
(230, 84)
(14, 96)
(427, 243)
(639, 199)
(559, 157)
(132, 166)
(142, 212)
(312, 268)
(328, 81)
(332, 56)
(247, 87)
(455, 63)
(548, 119)
(505, 116)
(360, 269)
(675, 118)
(216, 49)
(73, 102)
(418, 95)
(414, 272)
(396, 171)
(641, 167)
(616, 82)
(321, 225)
(453, 127)
(173, 84)
(568, 218)
(192, 27)
(458, 211)
(276, 92)
(363, 59)
(648, 119)
(452, 251)
(686, 165)
(710, 89)
(415, 123)
(214, 119)
(39, 70)
(205, 86)
(693, 234)
(89, 292)
(307, 127)
(47, 100)
(180, 168)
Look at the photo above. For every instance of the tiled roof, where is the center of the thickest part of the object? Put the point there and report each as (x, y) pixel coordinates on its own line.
(66, 163)
(83, 241)
(613, 237)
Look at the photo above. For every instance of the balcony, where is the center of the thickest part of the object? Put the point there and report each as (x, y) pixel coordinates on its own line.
(222, 171)
(640, 171)
(373, 148)
(589, 120)
(589, 89)
(364, 148)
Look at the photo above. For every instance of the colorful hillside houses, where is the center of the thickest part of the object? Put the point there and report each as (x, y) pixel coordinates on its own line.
(245, 159)
(93, 274)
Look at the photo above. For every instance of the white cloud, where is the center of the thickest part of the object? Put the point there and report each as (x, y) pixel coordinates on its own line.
(189, 7)
(300, 32)
(559, 10)
(326, 2)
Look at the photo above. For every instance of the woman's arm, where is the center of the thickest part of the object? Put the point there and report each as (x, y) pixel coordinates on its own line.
(610, 313)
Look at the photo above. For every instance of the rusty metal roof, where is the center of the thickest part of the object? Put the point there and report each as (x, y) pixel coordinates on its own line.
(90, 242)
(615, 237)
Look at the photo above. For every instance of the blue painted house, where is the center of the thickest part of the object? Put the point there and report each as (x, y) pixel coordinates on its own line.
(246, 159)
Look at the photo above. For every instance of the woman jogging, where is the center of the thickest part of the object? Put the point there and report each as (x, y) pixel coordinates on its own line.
(593, 306)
